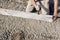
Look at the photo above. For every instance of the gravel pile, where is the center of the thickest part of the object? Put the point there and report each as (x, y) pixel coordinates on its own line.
(14, 4)
(16, 28)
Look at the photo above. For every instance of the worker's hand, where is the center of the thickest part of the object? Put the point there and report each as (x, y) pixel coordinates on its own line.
(37, 7)
(41, 0)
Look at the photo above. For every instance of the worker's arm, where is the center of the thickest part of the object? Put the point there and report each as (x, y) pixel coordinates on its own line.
(35, 5)
(55, 10)
(55, 7)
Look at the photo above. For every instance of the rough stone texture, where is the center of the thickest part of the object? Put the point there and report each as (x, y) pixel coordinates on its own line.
(31, 29)
(13, 4)
(12, 28)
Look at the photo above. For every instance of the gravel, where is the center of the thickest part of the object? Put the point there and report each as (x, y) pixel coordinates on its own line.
(28, 29)
(14, 4)
(16, 28)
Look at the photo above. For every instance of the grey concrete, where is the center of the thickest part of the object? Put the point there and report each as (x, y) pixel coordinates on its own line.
(28, 15)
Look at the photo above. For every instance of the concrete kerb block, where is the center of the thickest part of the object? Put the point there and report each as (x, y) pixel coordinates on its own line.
(28, 15)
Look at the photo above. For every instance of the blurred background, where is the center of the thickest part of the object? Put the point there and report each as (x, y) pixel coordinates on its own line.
(19, 4)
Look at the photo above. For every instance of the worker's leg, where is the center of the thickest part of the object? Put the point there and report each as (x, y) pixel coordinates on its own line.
(45, 7)
(29, 6)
